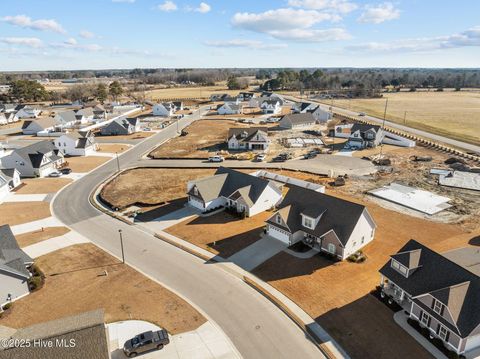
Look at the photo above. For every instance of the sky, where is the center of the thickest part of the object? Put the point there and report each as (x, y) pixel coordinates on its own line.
(107, 34)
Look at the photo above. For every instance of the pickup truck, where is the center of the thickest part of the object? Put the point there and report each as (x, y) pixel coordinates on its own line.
(145, 342)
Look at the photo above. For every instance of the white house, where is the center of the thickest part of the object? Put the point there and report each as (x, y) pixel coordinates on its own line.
(324, 222)
(321, 116)
(69, 119)
(14, 268)
(12, 176)
(85, 115)
(271, 106)
(24, 111)
(241, 192)
(165, 109)
(4, 187)
(229, 108)
(253, 139)
(32, 127)
(121, 126)
(76, 143)
(297, 120)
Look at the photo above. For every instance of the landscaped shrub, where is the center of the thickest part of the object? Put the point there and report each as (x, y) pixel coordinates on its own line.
(7, 306)
(35, 282)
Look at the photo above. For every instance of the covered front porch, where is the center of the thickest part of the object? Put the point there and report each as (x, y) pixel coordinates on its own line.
(395, 293)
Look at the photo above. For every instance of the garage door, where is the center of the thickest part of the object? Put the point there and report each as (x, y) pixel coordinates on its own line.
(279, 234)
(473, 342)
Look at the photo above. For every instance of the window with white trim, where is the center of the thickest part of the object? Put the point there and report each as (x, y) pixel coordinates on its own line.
(443, 332)
(425, 318)
(437, 307)
(308, 222)
(279, 219)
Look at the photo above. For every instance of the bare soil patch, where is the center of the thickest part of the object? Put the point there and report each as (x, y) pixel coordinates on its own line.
(221, 233)
(42, 185)
(27, 239)
(85, 164)
(75, 283)
(133, 136)
(112, 148)
(14, 213)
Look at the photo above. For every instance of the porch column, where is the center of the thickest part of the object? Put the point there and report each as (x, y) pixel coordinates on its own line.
(382, 280)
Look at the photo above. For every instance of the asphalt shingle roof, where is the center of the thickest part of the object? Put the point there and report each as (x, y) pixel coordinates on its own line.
(12, 258)
(299, 118)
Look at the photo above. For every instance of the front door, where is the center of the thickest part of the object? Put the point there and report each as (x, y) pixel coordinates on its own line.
(331, 248)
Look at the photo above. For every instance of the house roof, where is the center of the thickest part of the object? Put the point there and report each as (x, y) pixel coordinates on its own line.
(445, 280)
(67, 116)
(299, 118)
(34, 152)
(12, 258)
(227, 182)
(86, 329)
(337, 214)
(87, 112)
(363, 127)
(8, 174)
(44, 122)
(246, 133)
(233, 106)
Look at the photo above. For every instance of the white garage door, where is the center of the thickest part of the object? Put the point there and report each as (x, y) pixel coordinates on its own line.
(473, 342)
(279, 234)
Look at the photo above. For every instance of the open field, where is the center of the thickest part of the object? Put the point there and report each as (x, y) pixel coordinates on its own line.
(221, 233)
(451, 114)
(188, 92)
(85, 163)
(205, 138)
(149, 186)
(14, 213)
(42, 185)
(27, 239)
(112, 147)
(75, 283)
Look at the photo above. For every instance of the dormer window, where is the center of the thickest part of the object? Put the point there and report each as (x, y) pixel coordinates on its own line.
(438, 307)
(308, 222)
(399, 268)
(195, 191)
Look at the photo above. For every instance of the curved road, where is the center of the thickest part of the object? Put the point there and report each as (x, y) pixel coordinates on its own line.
(256, 327)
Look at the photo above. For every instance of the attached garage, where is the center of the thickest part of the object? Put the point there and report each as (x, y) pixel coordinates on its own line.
(472, 343)
(279, 234)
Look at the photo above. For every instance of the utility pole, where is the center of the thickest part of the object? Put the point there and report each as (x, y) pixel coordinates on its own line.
(383, 126)
(118, 161)
(121, 245)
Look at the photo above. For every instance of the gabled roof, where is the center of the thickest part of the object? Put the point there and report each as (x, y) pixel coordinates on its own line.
(44, 123)
(34, 153)
(450, 283)
(299, 118)
(231, 105)
(270, 101)
(87, 112)
(363, 127)
(226, 182)
(67, 116)
(12, 258)
(410, 259)
(8, 175)
(337, 214)
(246, 133)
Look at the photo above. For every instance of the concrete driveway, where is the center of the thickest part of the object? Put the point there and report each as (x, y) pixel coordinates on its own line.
(204, 342)
(171, 219)
(257, 253)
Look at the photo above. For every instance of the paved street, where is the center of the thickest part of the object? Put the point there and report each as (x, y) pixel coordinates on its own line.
(256, 327)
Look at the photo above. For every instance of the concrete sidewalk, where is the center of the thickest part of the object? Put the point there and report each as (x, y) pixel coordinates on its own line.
(15, 197)
(41, 248)
(257, 253)
(204, 342)
(36, 225)
(161, 223)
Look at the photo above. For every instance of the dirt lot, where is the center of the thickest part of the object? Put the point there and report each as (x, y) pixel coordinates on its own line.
(75, 283)
(112, 148)
(137, 186)
(42, 185)
(452, 114)
(14, 213)
(30, 238)
(205, 138)
(133, 136)
(221, 234)
(189, 92)
(85, 164)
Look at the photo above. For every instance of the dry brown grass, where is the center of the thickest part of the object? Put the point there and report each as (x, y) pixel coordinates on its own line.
(452, 114)
(221, 234)
(205, 137)
(112, 148)
(42, 185)
(150, 186)
(14, 213)
(85, 164)
(133, 136)
(30, 238)
(189, 92)
(74, 284)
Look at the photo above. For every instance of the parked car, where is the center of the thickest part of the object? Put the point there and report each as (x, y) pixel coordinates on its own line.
(261, 157)
(66, 171)
(287, 156)
(54, 174)
(279, 159)
(249, 121)
(147, 129)
(145, 342)
(309, 155)
(216, 158)
(362, 114)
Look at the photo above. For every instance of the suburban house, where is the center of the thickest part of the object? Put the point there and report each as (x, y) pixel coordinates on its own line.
(82, 335)
(32, 127)
(229, 108)
(246, 96)
(69, 118)
(25, 111)
(4, 187)
(365, 136)
(37, 159)
(235, 190)
(7, 117)
(99, 112)
(440, 294)
(320, 115)
(253, 138)
(271, 106)
(121, 126)
(303, 107)
(297, 120)
(86, 114)
(165, 109)
(12, 176)
(14, 268)
(76, 143)
(324, 222)
(8, 107)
